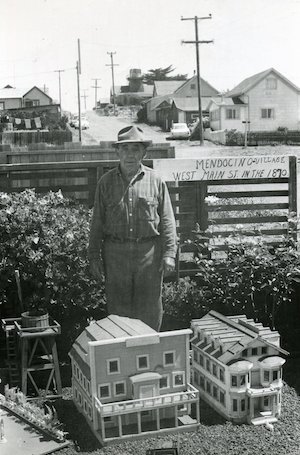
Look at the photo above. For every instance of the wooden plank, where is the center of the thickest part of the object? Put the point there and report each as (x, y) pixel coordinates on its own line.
(253, 233)
(245, 194)
(242, 207)
(246, 181)
(253, 220)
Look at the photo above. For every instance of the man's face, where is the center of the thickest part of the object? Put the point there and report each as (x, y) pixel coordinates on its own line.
(131, 156)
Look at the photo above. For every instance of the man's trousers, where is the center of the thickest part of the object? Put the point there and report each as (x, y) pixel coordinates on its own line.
(133, 280)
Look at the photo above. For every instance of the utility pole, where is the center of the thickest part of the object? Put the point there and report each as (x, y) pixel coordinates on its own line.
(78, 68)
(112, 64)
(59, 84)
(85, 97)
(96, 86)
(197, 42)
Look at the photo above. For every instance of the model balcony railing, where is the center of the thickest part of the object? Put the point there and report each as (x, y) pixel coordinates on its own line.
(259, 390)
(191, 395)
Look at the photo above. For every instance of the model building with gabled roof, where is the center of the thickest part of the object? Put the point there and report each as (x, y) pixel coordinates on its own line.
(130, 381)
(237, 367)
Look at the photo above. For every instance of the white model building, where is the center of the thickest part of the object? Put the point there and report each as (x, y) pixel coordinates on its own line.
(237, 367)
(131, 381)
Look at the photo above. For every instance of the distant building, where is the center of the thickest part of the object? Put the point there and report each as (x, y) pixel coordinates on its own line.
(130, 381)
(134, 93)
(13, 98)
(237, 367)
(267, 99)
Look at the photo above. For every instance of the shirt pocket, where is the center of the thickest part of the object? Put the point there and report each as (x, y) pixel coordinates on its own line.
(147, 208)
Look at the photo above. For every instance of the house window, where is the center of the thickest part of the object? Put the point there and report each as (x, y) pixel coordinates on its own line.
(89, 411)
(31, 103)
(222, 397)
(242, 379)
(169, 358)
(221, 375)
(234, 405)
(84, 383)
(193, 86)
(80, 398)
(233, 381)
(196, 356)
(104, 391)
(2, 105)
(164, 382)
(119, 388)
(85, 406)
(267, 113)
(88, 387)
(113, 366)
(266, 376)
(142, 362)
(264, 350)
(107, 419)
(275, 375)
(214, 369)
(178, 378)
(271, 83)
(266, 402)
(254, 351)
(201, 361)
(232, 114)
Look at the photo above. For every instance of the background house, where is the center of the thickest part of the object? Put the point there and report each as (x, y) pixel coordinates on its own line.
(267, 99)
(14, 98)
(237, 367)
(129, 379)
(135, 92)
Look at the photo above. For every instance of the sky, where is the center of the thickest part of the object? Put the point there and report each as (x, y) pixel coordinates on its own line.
(39, 37)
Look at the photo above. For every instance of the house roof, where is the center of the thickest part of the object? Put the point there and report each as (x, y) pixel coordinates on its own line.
(191, 104)
(108, 328)
(11, 93)
(37, 88)
(235, 333)
(202, 81)
(248, 83)
(167, 87)
(225, 101)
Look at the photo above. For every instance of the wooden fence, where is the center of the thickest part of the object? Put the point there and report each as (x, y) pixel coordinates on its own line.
(261, 206)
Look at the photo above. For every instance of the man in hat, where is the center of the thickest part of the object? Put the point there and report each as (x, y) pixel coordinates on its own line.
(133, 238)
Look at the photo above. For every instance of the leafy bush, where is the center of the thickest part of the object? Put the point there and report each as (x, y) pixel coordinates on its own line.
(45, 238)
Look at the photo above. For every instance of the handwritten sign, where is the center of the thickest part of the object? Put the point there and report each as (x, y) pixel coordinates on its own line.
(223, 168)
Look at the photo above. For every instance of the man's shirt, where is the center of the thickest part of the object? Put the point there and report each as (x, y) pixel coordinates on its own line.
(139, 209)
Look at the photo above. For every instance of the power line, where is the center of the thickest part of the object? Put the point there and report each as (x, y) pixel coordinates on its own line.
(112, 64)
(197, 42)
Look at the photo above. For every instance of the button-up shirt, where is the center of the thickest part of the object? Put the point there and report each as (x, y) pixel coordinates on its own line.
(139, 209)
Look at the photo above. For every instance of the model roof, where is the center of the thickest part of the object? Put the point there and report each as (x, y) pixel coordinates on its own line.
(250, 82)
(234, 334)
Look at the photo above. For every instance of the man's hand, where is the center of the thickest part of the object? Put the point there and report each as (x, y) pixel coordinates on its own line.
(96, 268)
(168, 265)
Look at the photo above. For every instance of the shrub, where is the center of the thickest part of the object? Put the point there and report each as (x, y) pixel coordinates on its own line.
(45, 238)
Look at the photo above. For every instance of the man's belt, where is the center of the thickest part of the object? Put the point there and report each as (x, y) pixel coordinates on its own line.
(131, 240)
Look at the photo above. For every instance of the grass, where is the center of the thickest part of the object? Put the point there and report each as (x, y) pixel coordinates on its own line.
(215, 436)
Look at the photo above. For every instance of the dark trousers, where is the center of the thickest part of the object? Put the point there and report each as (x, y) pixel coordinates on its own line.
(133, 280)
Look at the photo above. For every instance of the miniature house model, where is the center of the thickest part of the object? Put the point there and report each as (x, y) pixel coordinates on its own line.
(131, 381)
(237, 367)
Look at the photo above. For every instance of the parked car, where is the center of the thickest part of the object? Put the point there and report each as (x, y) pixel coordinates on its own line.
(84, 123)
(180, 131)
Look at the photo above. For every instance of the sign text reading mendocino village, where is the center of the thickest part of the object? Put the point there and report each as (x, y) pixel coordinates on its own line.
(249, 167)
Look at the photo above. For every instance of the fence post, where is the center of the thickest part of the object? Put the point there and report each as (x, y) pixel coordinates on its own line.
(293, 196)
(92, 183)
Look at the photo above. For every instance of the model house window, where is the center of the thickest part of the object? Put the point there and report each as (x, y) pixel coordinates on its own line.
(88, 387)
(89, 412)
(119, 388)
(232, 114)
(76, 393)
(208, 365)
(104, 391)
(169, 358)
(275, 375)
(222, 397)
(164, 382)
(234, 405)
(196, 356)
(233, 381)
(208, 387)
(271, 83)
(266, 376)
(178, 378)
(85, 406)
(266, 401)
(242, 379)
(113, 366)
(267, 113)
(264, 350)
(201, 360)
(202, 382)
(243, 405)
(221, 375)
(215, 392)
(254, 351)
(214, 369)
(80, 398)
(142, 362)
